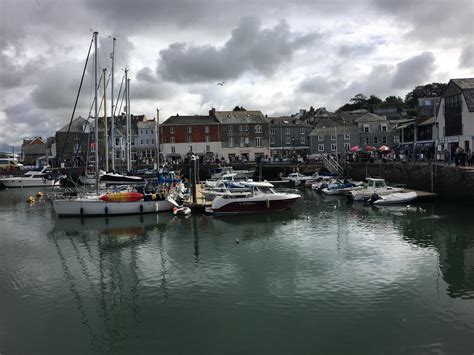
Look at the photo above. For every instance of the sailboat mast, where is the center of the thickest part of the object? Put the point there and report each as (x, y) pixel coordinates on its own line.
(106, 127)
(96, 115)
(129, 126)
(127, 121)
(157, 139)
(112, 116)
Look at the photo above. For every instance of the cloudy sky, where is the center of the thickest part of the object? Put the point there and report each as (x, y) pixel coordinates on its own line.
(276, 56)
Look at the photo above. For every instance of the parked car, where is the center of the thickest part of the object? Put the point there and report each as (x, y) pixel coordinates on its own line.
(7, 164)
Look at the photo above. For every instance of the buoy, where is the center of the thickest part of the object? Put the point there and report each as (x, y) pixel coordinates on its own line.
(39, 194)
(31, 199)
(237, 240)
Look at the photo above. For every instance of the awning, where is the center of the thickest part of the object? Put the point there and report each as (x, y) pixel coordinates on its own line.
(428, 122)
(173, 155)
(425, 144)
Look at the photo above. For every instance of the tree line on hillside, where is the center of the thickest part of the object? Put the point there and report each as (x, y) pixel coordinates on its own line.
(360, 101)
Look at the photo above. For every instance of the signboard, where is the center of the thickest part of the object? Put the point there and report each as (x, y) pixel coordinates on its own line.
(453, 139)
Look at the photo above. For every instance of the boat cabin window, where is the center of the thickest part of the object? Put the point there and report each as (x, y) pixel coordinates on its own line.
(265, 189)
(380, 184)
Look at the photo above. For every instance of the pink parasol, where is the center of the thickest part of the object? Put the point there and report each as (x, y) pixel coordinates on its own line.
(369, 148)
(355, 148)
(384, 148)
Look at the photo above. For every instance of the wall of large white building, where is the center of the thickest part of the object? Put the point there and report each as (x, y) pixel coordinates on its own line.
(468, 127)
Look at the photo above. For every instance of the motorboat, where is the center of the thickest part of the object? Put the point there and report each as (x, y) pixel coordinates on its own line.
(239, 174)
(341, 187)
(322, 182)
(89, 177)
(296, 178)
(223, 188)
(33, 178)
(377, 186)
(392, 199)
(258, 197)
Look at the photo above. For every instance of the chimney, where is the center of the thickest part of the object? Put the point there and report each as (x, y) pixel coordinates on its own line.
(212, 112)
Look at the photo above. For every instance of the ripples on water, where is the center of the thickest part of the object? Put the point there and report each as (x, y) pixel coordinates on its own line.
(328, 276)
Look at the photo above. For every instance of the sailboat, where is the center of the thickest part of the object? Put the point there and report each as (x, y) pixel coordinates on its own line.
(130, 201)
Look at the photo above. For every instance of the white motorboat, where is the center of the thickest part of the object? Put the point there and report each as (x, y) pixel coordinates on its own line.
(32, 178)
(259, 197)
(342, 187)
(395, 198)
(119, 179)
(239, 174)
(322, 182)
(296, 178)
(374, 186)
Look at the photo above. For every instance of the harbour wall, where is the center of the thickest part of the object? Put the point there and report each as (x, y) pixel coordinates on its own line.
(451, 183)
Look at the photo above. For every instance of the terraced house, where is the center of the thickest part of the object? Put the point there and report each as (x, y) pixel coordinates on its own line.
(289, 137)
(244, 135)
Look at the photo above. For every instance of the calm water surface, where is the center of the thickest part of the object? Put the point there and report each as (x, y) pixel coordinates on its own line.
(328, 277)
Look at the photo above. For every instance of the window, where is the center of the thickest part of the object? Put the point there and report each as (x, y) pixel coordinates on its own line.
(246, 128)
(190, 129)
(152, 141)
(189, 139)
(396, 139)
(383, 128)
(376, 140)
(301, 130)
(132, 141)
(151, 131)
(117, 154)
(321, 139)
(208, 148)
(272, 140)
(77, 147)
(76, 135)
(333, 147)
(366, 128)
(242, 140)
(141, 141)
(93, 148)
(287, 140)
(302, 140)
(241, 128)
(171, 130)
(230, 128)
(384, 140)
(367, 140)
(146, 131)
(258, 129)
(333, 137)
(287, 130)
(246, 140)
(272, 131)
(231, 142)
(208, 139)
(171, 139)
(347, 136)
(347, 146)
(173, 149)
(146, 141)
(320, 147)
(206, 129)
(258, 141)
(117, 141)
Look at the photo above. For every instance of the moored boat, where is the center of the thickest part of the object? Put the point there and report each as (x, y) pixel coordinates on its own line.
(43, 178)
(392, 199)
(342, 187)
(377, 186)
(259, 197)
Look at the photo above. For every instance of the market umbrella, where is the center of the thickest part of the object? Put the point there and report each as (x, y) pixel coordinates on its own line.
(384, 148)
(355, 148)
(369, 148)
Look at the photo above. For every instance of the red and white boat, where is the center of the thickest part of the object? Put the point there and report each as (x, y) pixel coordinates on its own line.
(259, 197)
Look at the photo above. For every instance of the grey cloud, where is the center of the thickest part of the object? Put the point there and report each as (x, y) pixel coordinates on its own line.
(15, 72)
(414, 71)
(319, 85)
(356, 50)
(250, 48)
(431, 20)
(467, 57)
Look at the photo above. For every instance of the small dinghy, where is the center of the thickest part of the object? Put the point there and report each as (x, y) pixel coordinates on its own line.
(181, 211)
(396, 198)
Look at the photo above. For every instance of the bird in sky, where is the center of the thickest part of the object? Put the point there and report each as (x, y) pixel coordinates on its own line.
(221, 83)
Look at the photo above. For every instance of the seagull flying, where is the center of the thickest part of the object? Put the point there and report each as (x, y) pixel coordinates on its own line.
(221, 83)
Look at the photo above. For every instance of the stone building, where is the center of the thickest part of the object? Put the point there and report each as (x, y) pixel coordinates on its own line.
(289, 137)
(32, 150)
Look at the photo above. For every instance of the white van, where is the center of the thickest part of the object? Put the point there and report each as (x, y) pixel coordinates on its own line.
(9, 164)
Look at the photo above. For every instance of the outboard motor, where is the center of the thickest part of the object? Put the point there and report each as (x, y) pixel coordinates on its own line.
(373, 198)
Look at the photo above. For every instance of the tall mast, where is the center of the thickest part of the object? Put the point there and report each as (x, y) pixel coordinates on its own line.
(96, 115)
(129, 127)
(106, 128)
(126, 121)
(112, 116)
(157, 138)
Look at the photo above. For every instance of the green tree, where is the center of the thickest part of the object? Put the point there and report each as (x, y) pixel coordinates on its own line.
(429, 90)
(237, 108)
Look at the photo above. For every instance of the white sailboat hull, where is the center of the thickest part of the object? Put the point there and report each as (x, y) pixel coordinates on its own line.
(26, 182)
(81, 207)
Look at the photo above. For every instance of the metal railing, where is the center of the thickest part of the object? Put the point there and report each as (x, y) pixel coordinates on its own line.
(333, 165)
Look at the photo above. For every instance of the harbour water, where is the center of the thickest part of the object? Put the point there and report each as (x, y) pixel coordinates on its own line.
(326, 277)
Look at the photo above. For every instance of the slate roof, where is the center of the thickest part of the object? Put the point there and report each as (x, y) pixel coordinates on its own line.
(189, 120)
(76, 125)
(287, 121)
(370, 117)
(239, 117)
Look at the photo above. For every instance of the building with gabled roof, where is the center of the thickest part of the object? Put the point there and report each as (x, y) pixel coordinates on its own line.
(455, 116)
(289, 137)
(32, 149)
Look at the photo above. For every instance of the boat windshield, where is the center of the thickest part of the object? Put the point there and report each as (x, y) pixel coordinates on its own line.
(265, 190)
(380, 184)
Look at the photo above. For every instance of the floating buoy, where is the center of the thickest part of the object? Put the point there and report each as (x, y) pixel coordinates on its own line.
(31, 199)
(39, 194)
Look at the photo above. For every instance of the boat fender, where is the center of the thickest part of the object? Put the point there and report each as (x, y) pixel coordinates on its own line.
(31, 199)
(268, 203)
(141, 208)
(106, 210)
